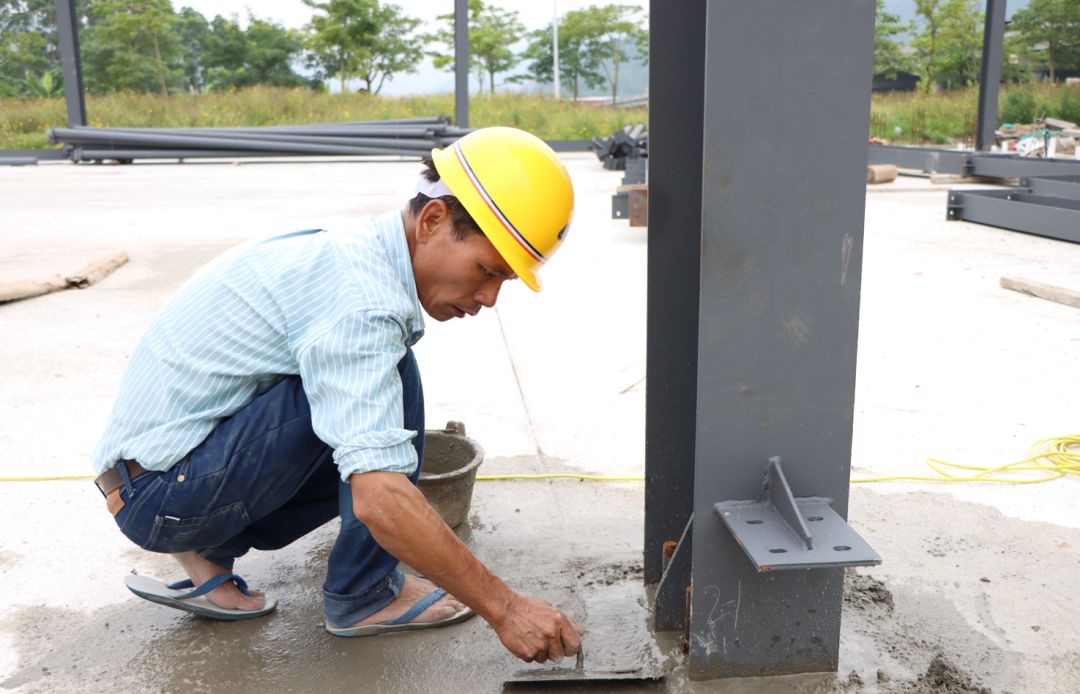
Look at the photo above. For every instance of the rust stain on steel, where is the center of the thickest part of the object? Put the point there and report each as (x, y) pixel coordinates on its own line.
(639, 208)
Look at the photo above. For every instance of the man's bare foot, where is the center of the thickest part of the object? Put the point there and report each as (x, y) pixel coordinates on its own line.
(227, 595)
(415, 590)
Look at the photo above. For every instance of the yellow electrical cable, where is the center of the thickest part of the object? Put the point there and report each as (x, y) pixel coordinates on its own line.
(1054, 449)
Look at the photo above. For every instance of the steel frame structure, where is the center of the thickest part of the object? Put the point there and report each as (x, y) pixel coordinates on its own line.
(755, 264)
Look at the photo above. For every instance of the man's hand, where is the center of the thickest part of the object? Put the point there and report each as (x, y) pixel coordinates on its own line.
(533, 630)
(403, 523)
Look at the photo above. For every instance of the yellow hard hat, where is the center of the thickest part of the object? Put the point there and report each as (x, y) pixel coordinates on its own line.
(516, 189)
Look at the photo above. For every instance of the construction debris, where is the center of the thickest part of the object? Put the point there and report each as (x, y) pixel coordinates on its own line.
(87, 277)
(630, 143)
(1046, 137)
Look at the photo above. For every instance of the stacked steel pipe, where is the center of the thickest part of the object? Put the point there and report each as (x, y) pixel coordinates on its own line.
(414, 137)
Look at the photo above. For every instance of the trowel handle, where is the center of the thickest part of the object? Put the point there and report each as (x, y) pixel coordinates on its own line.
(579, 664)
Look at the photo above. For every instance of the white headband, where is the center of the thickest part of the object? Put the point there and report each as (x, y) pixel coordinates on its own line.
(433, 190)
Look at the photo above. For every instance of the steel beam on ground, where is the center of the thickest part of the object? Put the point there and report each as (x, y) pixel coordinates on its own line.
(1053, 186)
(990, 73)
(923, 159)
(677, 79)
(1056, 218)
(1015, 166)
(780, 274)
(461, 63)
(21, 157)
(131, 141)
(570, 145)
(951, 161)
(67, 27)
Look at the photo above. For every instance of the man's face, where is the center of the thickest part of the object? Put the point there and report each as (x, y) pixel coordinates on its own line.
(454, 277)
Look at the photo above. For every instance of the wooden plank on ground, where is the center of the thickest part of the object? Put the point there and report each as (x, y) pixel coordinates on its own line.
(24, 289)
(88, 276)
(1049, 292)
(98, 270)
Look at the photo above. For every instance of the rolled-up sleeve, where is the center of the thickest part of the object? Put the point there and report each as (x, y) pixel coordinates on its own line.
(352, 383)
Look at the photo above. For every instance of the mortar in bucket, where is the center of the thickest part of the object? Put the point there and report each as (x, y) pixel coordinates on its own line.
(449, 471)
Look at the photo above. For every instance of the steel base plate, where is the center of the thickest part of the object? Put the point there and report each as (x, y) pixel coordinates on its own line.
(771, 546)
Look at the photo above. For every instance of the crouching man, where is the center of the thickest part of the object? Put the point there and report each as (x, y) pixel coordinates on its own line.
(278, 390)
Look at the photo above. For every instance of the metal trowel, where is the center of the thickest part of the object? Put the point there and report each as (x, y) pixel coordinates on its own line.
(578, 673)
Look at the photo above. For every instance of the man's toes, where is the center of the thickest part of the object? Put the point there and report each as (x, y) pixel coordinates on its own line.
(252, 603)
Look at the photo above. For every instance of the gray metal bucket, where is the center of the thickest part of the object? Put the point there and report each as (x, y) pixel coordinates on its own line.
(449, 471)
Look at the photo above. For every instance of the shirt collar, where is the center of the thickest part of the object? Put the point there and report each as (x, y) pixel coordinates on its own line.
(396, 244)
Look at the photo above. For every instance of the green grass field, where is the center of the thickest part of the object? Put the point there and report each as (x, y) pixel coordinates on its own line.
(23, 122)
(945, 113)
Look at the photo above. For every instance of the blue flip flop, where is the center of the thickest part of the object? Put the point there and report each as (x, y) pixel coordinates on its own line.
(404, 622)
(194, 601)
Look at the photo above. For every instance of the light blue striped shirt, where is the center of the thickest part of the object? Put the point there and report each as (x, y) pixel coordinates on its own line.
(337, 307)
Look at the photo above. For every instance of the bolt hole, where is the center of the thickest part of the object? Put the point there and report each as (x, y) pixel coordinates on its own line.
(841, 548)
(754, 522)
(777, 551)
(815, 518)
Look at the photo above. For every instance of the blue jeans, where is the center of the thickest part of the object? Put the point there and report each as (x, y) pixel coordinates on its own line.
(262, 480)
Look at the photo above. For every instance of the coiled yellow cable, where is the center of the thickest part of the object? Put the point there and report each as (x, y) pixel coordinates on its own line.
(1060, 461)
(1055, 450)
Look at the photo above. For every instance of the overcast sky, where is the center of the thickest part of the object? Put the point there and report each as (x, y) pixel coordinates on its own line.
(293, 13)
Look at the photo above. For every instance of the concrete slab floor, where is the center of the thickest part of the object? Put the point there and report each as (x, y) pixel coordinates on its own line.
(950, 366)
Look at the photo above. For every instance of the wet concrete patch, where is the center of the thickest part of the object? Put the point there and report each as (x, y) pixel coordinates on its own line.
(578, 544)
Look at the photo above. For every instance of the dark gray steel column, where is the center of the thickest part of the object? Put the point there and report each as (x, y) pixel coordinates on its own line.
(990, 75)
(67, 25)
(787, 107)
(677, 81)
(461, 63)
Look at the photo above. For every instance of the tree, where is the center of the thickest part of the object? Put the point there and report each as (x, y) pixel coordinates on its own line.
(341, 39)
(261, 54)
(1048, 33)
(576, 63)
(28, 40)
(193, 31)
(950, 41)
(615, 29)
(961, 41)
(393, 50)
(132, 45)
(492, 30)
(889, 57)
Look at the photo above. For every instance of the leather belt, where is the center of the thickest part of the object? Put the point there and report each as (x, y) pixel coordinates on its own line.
(111, 481)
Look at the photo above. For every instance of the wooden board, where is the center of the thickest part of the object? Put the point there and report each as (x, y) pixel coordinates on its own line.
(1049, 292)
(87, 277)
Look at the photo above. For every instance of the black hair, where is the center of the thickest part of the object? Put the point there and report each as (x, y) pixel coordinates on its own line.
(463, 222)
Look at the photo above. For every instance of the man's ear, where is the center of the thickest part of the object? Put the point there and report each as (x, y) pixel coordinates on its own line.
(432, 216)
